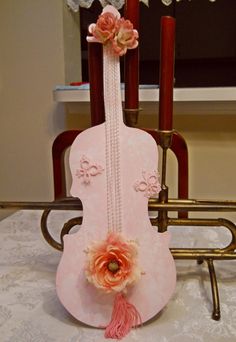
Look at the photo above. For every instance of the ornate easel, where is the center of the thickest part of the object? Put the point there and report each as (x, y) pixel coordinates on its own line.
(165, 136)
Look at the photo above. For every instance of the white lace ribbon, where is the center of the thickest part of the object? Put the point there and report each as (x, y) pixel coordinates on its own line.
(113, 113)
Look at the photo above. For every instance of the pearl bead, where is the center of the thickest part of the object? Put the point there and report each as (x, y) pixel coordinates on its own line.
(113, 266)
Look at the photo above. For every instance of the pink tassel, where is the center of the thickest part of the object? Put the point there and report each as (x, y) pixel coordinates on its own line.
(124, 317)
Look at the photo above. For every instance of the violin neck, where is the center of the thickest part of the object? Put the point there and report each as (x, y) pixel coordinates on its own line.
(112, 91)
(113, 124)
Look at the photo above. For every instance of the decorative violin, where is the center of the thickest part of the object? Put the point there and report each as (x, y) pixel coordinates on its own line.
(117, 271)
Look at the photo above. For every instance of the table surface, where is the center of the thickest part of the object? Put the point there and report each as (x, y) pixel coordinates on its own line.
(31, 312)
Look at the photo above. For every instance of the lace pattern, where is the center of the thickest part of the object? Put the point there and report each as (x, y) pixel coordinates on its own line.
(74, 4)
(30, 310)
(169, 2)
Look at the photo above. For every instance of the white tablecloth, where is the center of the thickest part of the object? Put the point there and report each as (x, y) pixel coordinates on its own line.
(31, 312)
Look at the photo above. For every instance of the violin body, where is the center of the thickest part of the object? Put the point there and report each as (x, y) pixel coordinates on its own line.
(154, 289)
(114, 173)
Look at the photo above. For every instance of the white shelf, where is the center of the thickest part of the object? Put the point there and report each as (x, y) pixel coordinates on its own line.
(152, 95)
(187, 101)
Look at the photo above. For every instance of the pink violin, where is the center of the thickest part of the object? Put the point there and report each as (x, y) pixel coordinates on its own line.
(117, 271)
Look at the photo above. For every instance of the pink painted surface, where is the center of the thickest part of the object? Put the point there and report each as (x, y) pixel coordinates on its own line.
(137, 154)
(151, 293)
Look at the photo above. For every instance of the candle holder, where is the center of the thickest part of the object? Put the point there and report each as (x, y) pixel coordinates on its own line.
(131, 116)
(165, 138)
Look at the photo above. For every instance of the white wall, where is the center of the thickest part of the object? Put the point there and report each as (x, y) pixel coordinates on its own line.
(72, 50)
(31, 64)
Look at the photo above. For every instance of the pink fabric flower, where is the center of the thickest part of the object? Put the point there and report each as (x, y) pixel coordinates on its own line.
(112, 263)
(105, 27)
(126, 37)
(112, 30)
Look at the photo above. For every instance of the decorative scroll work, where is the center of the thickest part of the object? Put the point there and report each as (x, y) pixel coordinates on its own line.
(88, 170)
(149, 185)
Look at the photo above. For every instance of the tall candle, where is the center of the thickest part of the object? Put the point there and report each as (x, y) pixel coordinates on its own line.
(132, 60)
(95, 63)
(166, 79)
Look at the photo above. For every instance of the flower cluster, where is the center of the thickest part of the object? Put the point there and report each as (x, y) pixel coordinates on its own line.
(112, 263)
(115, 31)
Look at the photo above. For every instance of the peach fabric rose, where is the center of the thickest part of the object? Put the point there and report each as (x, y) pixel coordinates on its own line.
(112, 30)
(105, 28)
(112, 263)
(126, 38)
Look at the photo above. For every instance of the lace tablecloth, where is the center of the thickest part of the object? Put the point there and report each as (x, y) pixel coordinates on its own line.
(31, 312)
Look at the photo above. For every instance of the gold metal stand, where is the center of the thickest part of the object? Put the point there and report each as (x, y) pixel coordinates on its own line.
(200, 254)
(162, 205)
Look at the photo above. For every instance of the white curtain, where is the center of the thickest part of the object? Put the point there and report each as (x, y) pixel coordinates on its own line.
(169, 2)
(74, 4)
